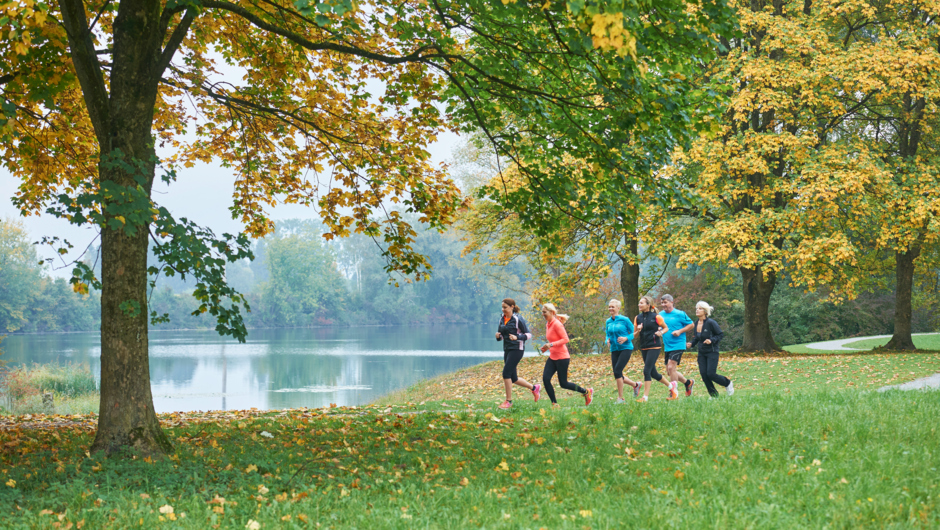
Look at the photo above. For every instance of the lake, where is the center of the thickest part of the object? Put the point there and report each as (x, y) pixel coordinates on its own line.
(278, 368)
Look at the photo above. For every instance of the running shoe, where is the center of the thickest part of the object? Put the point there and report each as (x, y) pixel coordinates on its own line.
(641, 400)
(537, 391)
(619, 401)
(688, 387)
(588, 396)
(636, 389)
(556, 406)
(730, 388)
(506, 404)
(673, 391)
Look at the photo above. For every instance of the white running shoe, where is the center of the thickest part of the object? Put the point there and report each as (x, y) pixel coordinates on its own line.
(619, 401)
(730, 388)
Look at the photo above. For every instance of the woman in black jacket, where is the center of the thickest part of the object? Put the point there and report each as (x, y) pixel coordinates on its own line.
(513, 331)
(707, 335)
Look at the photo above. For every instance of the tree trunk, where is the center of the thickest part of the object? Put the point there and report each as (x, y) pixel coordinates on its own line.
(904, 271)
(126, 171)
(630, 278)
(757, 292)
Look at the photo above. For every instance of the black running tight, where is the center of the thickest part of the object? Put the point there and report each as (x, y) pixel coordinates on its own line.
(649, 365)
(560, 366)
(708, 369)
(619, 360)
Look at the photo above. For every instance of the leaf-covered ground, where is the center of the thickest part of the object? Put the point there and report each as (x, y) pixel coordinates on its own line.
(818, 454)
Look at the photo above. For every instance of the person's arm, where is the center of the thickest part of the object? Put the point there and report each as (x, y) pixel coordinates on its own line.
(499, 337)
(524, 330)
(694, 338)
(629, 325)
(717, 334)
(686, 326)
(636, 327)
(663, 328)
(560, 330)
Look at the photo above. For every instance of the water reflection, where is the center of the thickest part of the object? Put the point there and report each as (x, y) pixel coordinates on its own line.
(198, 370)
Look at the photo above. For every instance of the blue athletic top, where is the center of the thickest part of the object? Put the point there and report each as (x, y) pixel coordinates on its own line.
(619, 326)
(675, 320)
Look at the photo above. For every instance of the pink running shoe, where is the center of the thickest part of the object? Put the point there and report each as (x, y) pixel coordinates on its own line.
(506, 405)
(537, 391)
(588, 396)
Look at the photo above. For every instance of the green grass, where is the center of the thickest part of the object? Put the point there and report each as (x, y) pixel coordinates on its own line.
(822, 455)
(922, 342)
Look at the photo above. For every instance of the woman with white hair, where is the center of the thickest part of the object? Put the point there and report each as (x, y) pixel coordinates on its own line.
(707, 335)
(619, 332)
(558, 358)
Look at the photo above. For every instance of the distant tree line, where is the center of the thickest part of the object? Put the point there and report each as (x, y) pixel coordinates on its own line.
(297, 279)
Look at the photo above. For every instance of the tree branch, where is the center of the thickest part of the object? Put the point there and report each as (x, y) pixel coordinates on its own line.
(179, 33)
(87, 68)
(316, 46)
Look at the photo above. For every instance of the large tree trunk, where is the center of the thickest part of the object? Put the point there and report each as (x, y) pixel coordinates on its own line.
(125, 171)
(630, 278)
(904, 271)
(757, 292)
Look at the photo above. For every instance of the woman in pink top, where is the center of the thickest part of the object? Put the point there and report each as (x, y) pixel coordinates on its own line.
(558, 358)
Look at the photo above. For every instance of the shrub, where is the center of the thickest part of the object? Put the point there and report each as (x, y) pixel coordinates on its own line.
(66, 380)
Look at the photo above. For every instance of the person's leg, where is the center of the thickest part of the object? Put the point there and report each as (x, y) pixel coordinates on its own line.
(563, 377)
(523, 383)
(713, 371)
(649, 370)
(510, 376)
(618, 372)
(703, 373)
(673, 359)
(547, 374)
(623, 360)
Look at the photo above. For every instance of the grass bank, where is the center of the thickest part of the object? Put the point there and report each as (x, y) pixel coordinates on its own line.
(751, 376)
(795, 447)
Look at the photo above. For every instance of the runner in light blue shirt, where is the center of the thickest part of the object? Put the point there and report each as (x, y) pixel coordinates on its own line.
(674, 344)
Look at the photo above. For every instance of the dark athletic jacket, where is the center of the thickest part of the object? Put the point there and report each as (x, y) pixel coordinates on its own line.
(710, 330)
(651, 323)
(516, 326)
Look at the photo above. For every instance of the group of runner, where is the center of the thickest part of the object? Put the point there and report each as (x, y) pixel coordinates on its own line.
(652, 332)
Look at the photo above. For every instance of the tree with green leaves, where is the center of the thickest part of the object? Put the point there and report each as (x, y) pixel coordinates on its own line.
(93, 88)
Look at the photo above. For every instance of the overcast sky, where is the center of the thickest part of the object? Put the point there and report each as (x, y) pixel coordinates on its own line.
(202, 193)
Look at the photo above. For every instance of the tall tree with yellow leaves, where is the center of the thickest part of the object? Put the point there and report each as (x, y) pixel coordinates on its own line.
(761, 191)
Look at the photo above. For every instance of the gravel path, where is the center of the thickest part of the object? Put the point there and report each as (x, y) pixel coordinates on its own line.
(931, 382)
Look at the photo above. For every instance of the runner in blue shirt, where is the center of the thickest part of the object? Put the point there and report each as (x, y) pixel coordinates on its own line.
(674, 344)
(619, 331)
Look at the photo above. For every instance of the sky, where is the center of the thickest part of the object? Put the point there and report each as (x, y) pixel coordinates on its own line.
(202, 193)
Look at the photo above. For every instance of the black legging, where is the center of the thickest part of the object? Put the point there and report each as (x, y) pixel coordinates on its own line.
(649, 365)
(560, 366)
(707, 368)
(619, 360)
(511, 360)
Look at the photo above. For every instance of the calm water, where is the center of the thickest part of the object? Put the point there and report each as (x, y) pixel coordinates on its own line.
(198, 370)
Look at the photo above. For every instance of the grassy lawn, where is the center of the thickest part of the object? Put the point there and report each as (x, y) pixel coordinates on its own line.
(923, 342)
(787, 450)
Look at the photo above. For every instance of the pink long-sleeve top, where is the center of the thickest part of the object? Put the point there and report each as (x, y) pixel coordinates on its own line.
(556, 334)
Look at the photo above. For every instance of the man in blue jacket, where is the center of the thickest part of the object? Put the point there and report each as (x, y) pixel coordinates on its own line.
(674, 343)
